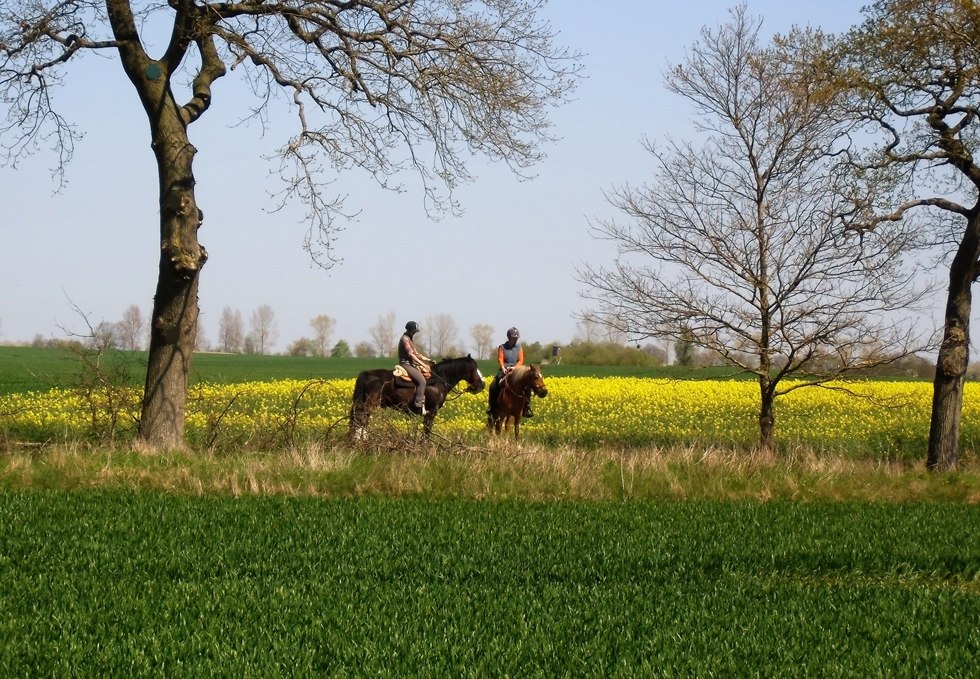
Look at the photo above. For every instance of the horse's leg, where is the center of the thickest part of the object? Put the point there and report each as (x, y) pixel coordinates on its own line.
(498, 423)
(360, 413)
(358, 421)
(427, 424)
(517, 426)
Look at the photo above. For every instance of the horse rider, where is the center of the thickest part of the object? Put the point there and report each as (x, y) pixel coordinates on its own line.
(412, 360)
(510, 354)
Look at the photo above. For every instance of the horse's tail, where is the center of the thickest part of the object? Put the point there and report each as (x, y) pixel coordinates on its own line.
(358, 417)
(360, 395)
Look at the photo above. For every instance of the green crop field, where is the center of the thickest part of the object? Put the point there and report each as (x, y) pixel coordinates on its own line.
(144, 584)
(34, 369)
(620, 542)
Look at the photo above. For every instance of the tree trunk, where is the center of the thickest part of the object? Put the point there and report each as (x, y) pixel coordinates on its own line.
(767, 415)
(954, 353)
(173, 326)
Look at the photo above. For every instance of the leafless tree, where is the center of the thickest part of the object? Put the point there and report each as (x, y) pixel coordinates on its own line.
(587, 329)
(304, 346)
(482, 335)
(595, 327)
(382, 85)
(132, 329)
(910, 73)
(105, 336)
(263, 334)
(201, 339)
(440, 335)
(383, 334)
(322, 332)
(734, 246)
(231, 331)
(364, 350)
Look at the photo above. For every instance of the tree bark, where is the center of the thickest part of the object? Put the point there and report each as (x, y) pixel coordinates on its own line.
(175, 305)
(954, 353)
(767, 415)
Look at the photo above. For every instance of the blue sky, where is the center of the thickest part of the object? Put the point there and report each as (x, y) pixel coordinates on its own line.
(508, 260)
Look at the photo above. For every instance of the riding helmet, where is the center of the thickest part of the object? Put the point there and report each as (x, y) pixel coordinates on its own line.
(513, 334)
(411, 327)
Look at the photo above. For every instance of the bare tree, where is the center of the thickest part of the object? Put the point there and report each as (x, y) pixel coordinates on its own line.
(263, 334)
(734, 247)
(382, 85)
(441, 336)
(322, 332)
(482, 335)
(105, 336)
(910, 72)
(231, 331)
(383, 334)
(304, 346)
(132, 329)
(595, 327)
(201, 339)
(364, 350)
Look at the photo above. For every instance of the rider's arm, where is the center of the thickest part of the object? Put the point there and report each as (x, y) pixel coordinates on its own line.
(500, 357)
(416, 355)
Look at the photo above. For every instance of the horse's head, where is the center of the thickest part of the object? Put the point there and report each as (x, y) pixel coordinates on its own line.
(474, 377)
(453, 370)
(525, 377)
(535, 381)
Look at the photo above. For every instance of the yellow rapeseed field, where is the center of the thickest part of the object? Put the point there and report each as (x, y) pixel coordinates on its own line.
(883, 419)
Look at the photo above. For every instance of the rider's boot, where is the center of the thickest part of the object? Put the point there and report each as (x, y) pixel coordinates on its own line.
(527, 406)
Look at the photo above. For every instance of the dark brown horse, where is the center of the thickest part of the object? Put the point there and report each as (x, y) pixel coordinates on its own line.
(380, 388)
(515, 390)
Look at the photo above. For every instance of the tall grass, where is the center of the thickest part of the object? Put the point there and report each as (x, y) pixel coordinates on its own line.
(493, 472)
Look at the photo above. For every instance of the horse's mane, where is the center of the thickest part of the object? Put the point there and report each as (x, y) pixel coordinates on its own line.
(447, 361)
(453, 363)
(518, 373)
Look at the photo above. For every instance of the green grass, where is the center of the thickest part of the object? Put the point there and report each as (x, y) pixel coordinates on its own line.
(145, 584)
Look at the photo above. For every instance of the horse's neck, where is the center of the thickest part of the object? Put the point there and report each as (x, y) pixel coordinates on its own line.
(447, 372)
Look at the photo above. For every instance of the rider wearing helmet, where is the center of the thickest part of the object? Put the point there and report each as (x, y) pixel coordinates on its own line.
(412, 360)
(509, 355)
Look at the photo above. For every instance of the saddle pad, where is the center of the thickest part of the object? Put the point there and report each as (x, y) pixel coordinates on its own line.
(401, 374)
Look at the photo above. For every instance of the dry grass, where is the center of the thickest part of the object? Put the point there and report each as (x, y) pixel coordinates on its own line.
(496, 470)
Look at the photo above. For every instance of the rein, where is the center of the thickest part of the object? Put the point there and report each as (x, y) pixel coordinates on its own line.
(510, 389)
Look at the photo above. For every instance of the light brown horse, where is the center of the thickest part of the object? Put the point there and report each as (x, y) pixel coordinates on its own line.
(515, 390)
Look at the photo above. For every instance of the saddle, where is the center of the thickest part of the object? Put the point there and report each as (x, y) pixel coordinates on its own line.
(402, 378)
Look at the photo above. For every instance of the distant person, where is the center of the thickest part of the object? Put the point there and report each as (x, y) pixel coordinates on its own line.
(413, 361)
(556, 354)
(510, 354)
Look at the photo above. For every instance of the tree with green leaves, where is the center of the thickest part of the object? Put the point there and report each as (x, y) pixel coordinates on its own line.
(382, 85)
(911, 74)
